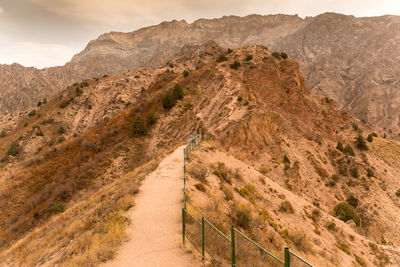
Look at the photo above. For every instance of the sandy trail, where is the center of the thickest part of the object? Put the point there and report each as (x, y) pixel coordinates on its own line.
(156, 229)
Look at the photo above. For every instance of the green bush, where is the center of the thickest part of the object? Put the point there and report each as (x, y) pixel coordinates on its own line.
(229, 51)
(354, 172)
(353, 201)
(3, 134)
(286, 160)
(177, 92)
(339, 146)
(348, 150)
(56, 208)
(32, 113)
(235, 65)
(345, 212)
(284, 55)
(200, 187)
(65, 103)
(78, 91)
(151, 118)
(61, 139)
(39, 131)
(14, 149)
(370, 173)
(169, 101)
(398, 192)
(185, 73)
(222, 58)
(243, 217)
(276, 55)
(239, 98)
(374, 134)
(39, 103)
(331, 226)
(25, 124)
(61, 130)
(139, 126)
(370, 138)
(249, 57)
(360, 143)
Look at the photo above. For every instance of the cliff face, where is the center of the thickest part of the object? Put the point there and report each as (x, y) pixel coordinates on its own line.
(354, 61)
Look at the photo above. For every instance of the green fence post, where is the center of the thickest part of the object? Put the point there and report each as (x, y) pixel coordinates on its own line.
(233, 246)
(184, 182)
(202, 238)
(183, 226)
(287, 257)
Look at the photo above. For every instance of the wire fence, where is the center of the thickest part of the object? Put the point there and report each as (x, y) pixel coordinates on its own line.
(235, 249)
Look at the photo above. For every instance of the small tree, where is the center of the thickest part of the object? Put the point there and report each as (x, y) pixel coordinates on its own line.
(185, 73)
(235, 65)
(249, 57)
(370, 138)
(3, 134)
(276, 55)
(339, 146)
(14, 149)
(360, 143)
(139, 126)
(169, 101)
(177, 92)
(151, 118)
(61, 130)
(348, 150)
(284, 55)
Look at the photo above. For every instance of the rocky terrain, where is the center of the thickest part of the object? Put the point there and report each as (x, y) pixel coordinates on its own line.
(274, 154)
(352, 60)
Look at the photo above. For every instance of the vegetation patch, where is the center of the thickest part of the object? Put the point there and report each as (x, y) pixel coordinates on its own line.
(345, 212)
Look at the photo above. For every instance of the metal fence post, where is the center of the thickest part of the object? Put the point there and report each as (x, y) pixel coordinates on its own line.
(202, 238)
(184, 182)
(233, 259)
(183, 226)
(287, 257)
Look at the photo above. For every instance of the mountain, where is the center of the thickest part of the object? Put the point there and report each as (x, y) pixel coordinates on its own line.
(283, 165)
(352, 60)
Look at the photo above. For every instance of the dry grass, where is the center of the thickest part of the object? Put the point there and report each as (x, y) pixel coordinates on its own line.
(86, 234)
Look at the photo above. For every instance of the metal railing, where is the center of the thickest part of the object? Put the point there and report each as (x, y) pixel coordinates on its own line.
(238, 249)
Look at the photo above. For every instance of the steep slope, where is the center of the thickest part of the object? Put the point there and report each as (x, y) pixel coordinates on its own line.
(351, 60)
(256, 114)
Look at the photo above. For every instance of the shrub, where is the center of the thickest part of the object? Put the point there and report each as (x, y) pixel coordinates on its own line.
(243, 217)
(56, 208)
(352, 200)
(222, 58)
(299, 239)
(185, 73)
(276, 55)
(348, 150)
(286, 160)
(239, 98)
(370, 173)
(223, 173)
(39, 103)
(235, 65)
(3, 134)
(284, 55)
(398, 192)
(61, 139)
(345, 212)
(14, 149)
(90, 107)
(61, 130)
(249, 57)
(360, 143)
(65, 103)
(354, 172)
(339, 146)
(343, 247)
(335, 178)
(360, 260)
(228, 193)
(286, 206)
(25, 124)
(78, 91)
(139, 126)
(169, 101)
(32, 113)
(331, 226)
(39, 131)
(200, 187)
(374, 134)
(246, 103)
(229, 51)
(177, 92)
(151, 118)
(370, 138)
(48, 121)
(198, 171)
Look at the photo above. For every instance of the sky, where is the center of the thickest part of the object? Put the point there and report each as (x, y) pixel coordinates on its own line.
(44, 33)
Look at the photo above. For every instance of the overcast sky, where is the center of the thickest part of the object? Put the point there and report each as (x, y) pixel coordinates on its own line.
(45, 33)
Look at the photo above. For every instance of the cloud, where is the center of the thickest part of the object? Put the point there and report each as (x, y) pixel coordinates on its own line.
(40, 55)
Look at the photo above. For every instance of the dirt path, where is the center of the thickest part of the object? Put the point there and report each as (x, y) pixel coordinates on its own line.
(155, 233)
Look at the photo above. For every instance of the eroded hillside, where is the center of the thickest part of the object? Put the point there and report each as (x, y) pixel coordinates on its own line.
(273, 151)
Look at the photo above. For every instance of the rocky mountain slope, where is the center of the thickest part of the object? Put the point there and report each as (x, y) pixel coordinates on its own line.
(351, 60)
(273, 153)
